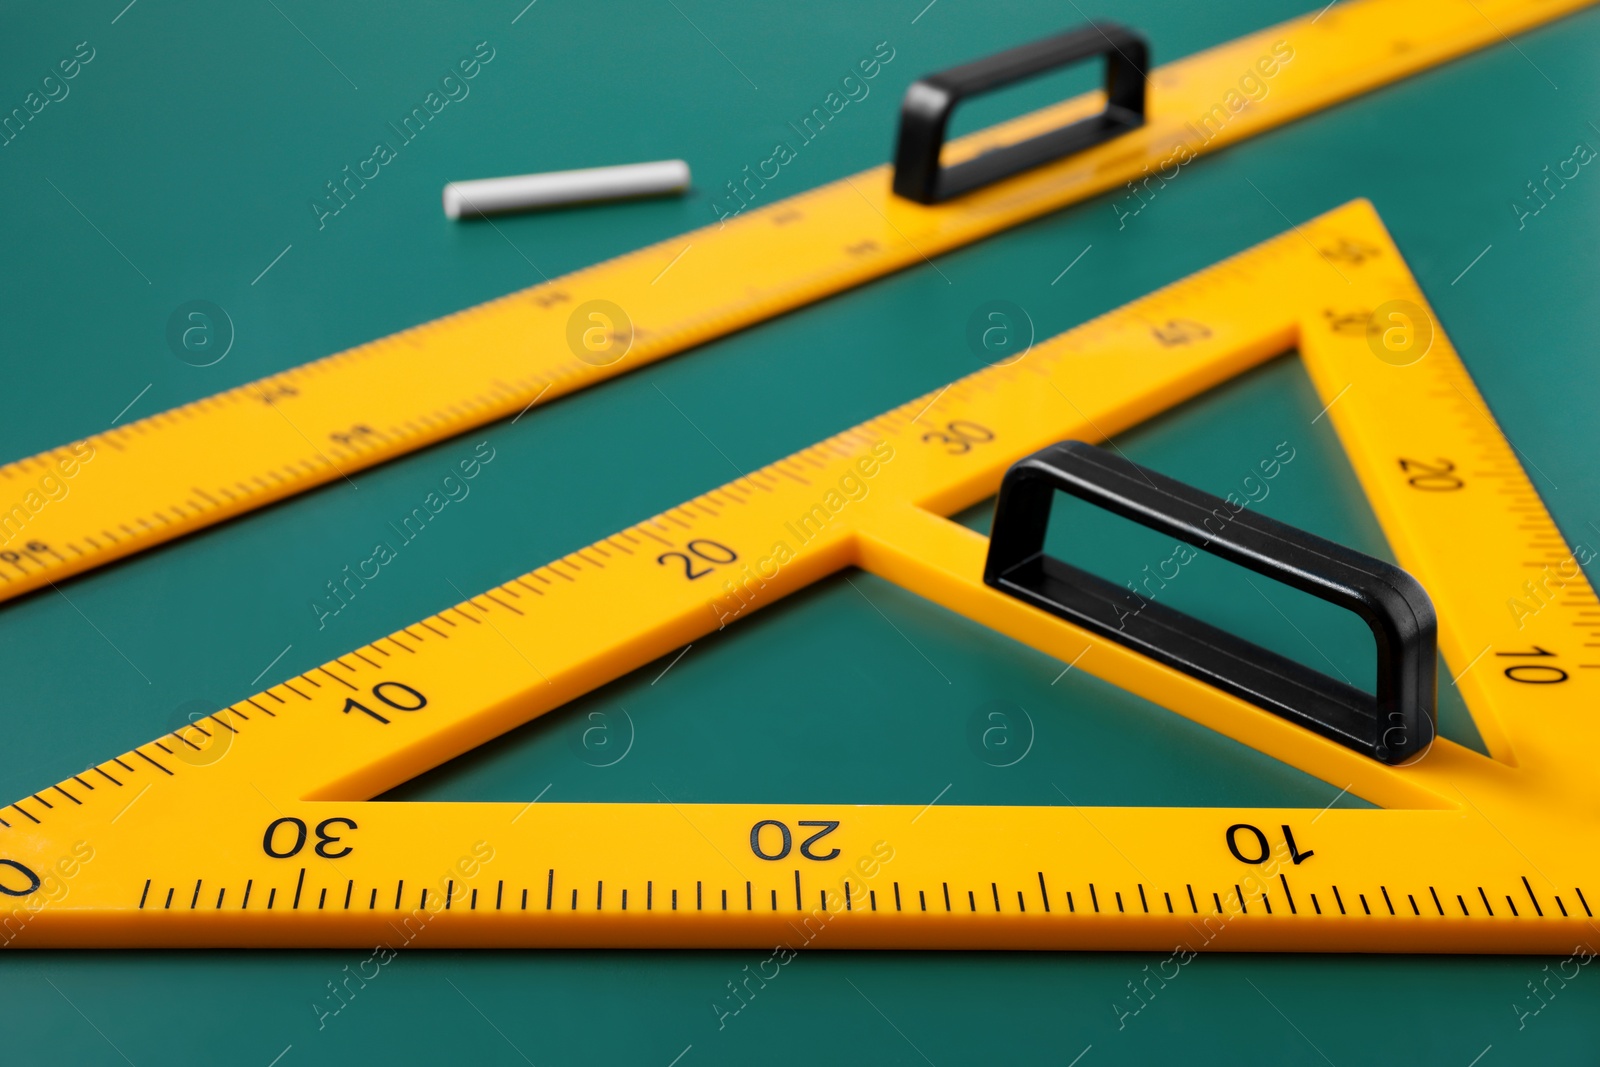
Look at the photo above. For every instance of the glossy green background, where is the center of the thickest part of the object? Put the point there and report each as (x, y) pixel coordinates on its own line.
(189, 148)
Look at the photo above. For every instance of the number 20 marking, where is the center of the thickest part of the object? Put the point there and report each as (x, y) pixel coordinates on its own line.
(709, 551)
(1437, 477)
(786, 840)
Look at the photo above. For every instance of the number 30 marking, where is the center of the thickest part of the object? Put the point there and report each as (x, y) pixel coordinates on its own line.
(324, 839)
(960, 435)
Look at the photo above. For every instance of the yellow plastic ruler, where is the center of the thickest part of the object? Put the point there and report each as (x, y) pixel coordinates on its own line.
(250, 828)
(117, 492)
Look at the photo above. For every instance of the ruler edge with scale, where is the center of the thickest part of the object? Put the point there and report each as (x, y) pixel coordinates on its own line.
(64, 567)
(1510, 943)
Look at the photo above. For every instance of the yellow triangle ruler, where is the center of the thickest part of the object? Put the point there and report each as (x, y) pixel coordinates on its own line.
(249, 829)
(118, 492)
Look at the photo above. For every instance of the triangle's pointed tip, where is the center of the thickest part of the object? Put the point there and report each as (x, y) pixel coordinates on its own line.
(1359, 211)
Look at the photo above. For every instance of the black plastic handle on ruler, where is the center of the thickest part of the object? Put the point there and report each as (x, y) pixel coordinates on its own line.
(1396, 726)
(925, 111)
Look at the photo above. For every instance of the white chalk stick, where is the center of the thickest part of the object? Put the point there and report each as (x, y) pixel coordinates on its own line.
(492, 196)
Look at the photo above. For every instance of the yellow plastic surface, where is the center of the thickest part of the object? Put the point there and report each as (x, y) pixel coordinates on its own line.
(168, 845)
(124, 490)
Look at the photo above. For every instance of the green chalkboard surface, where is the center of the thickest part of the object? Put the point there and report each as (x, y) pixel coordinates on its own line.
(184, 161)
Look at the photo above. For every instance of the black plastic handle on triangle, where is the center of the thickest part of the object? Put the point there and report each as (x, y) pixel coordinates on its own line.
(1396, 726)
(925, 111)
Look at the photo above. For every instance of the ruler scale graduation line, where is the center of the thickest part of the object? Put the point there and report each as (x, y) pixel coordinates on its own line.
(134, 486)
(1469, 854)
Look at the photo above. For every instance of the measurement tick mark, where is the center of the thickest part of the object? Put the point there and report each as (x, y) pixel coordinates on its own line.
(1074, 263)
(271, 665)
(130, 404)
(102, 634)
(1469, 666)
(490, 1021)
(101, 232)
(899, 631)
(91, 1022)
(1463, 274)
(669, 266)
(274, 263)
(890, 1021)
(131, 803)
(1330, 403)
(1290, 1021)
(532, 802)
(532, 402)
(932, 802)
(1332, 802)
(674, 662)
(1071, 665)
